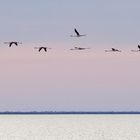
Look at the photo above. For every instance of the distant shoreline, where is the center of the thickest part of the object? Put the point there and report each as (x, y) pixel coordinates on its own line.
(69, 113)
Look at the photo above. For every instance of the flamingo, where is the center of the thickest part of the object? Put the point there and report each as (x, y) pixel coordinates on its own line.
(79, 48)
(113, 50)
(13, 43)
(42, 48)
(136, 50)
(77, 34)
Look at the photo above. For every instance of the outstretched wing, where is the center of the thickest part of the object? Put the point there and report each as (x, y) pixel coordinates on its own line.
(76, 32)
(134, 50)
(16, 43)
(10, 44)
(40, 48)
(6, 42)
(48, 48)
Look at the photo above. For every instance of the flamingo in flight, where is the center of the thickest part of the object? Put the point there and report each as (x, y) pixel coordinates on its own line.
(136, 50)
(13, 43)
(79, 48)
(77, 34)
(45, 49)
(113, 50)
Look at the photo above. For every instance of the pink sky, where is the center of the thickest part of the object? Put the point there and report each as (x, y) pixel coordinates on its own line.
(68, 80)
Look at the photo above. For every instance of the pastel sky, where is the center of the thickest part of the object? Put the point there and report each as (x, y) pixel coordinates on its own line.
(64, 80)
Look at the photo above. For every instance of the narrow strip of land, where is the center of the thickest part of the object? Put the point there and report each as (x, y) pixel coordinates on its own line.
(67, 112)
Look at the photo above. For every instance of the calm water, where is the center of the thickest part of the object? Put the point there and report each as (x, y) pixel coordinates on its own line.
(70, 127)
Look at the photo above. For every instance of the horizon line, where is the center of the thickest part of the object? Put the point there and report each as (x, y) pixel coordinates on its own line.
(65, 112)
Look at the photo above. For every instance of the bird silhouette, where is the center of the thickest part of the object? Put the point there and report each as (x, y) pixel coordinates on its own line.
(13, 43)
(79, 48)
(45, 49)
(136, 50)
(113, 50)
(77, 34)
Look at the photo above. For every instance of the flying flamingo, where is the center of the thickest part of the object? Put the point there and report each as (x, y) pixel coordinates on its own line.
(77, 34)
(79, 48)
(113, 50)
(136, 50)
(13, 43)
(42, 48)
